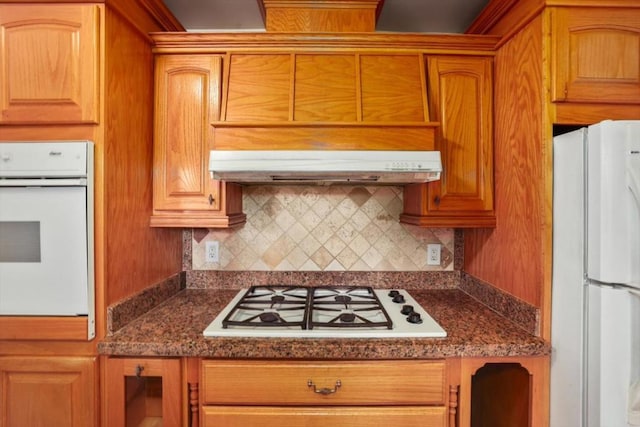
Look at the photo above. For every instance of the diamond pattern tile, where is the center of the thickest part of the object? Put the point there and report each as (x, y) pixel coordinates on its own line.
(323, 228)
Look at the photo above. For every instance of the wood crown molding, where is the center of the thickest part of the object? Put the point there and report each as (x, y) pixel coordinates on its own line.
(161, 14)
(497, 10)
(256, 42)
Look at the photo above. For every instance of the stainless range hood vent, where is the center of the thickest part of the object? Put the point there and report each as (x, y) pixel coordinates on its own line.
(325, 166)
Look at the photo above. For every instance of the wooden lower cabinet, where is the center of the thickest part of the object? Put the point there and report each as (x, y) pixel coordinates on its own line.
(319, 393)
(143, 392)
(48, 391)
(504, 392)
(239, 416)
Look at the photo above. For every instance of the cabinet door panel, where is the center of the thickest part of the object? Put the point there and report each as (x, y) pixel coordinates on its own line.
(325, 88)
(49, 57)
(393, 88)
(462, 94)
(259, 88)
(187, 101)
(461, 101)
(230, 416)
(48, 391)
(596, 55)
(143, 391)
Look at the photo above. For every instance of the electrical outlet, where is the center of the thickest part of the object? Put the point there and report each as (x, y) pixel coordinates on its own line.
(212, 251)
(433, 253)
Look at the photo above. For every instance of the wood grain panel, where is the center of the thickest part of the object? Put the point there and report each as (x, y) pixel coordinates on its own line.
(136, 256)
(363, 383)
(242, 416)
(48, 391)
(324, 138)
(259, 87)
(44, 328)
(325, 88)
(596, 59)
(393, 88)
(462, 100)
(511, 256)
(538, 401)
(49, 57)
(187, 100)
(320, 16)
(119, 370)
(587, 114)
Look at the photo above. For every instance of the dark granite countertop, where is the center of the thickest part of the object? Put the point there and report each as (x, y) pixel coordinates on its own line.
(174, 328)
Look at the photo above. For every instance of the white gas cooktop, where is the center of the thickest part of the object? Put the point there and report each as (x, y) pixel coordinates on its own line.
(323, 312)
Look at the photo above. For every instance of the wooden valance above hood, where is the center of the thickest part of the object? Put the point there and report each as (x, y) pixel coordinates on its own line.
(304, 16)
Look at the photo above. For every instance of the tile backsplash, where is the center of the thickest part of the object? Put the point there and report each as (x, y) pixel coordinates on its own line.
(323, 228)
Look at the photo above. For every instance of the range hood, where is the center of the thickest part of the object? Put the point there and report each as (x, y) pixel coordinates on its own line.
(325, 166)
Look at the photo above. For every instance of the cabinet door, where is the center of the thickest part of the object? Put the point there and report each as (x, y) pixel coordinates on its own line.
(48, 391)
(242, 416)
(461, 100)
(596, 55)
(187, 102)
(143, 392)
(49, 56)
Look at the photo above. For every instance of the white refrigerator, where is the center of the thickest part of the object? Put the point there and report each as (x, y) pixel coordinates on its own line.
(595, 314)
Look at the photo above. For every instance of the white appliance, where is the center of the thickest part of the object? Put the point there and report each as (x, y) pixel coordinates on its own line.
(325, 166)
(323, 312)
(595, 316)
(46, 230)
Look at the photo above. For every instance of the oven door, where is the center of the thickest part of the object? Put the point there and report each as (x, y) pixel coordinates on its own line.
(44, 251)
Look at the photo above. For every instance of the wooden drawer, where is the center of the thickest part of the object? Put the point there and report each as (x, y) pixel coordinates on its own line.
(239, 416)
(360, 383)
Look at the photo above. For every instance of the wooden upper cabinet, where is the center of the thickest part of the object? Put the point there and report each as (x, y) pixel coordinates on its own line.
(50, 58)
(596, 55)
(461, 100)
(187, 102)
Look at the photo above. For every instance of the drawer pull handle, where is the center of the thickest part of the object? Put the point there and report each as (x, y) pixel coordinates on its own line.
(324, 390)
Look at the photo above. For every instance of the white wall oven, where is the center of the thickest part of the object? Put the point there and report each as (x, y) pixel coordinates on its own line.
(46, 230)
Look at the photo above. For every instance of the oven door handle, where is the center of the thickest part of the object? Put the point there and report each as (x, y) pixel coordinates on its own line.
(48, 182)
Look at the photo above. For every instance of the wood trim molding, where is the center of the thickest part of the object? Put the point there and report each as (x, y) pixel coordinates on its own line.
(161, 14)
(498, 10)
(222, 42)
(490, 15)
(454, 392)
(43, 328)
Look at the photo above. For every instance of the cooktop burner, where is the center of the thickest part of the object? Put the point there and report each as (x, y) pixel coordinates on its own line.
(323, 312)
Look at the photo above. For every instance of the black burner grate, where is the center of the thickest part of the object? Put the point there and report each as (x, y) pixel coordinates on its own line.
(308, 308)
